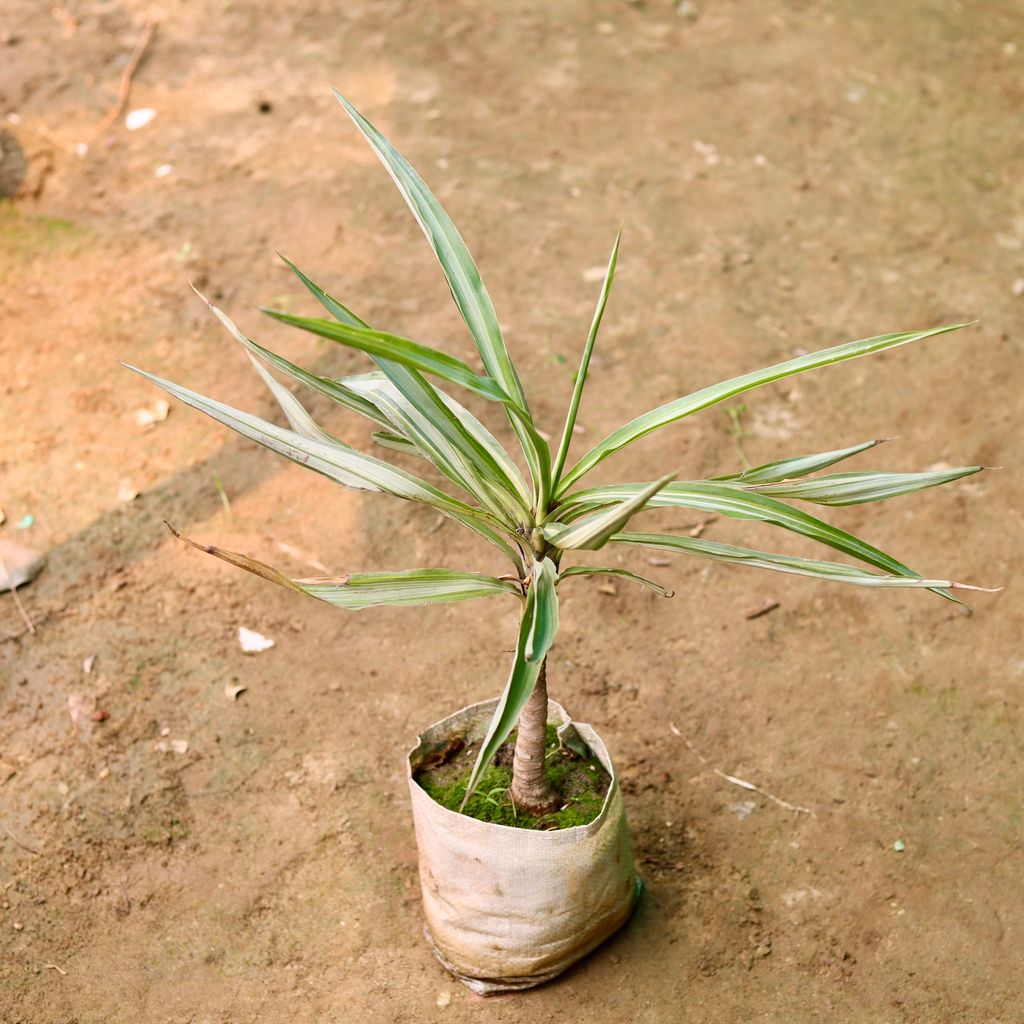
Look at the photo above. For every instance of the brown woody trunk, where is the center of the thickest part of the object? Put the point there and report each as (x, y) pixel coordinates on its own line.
(531, 790)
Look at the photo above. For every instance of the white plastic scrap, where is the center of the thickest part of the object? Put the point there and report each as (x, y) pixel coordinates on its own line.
(253, 642)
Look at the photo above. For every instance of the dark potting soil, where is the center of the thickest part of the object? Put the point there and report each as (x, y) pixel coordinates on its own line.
(581, 781)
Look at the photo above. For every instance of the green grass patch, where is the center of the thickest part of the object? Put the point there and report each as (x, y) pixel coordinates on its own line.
(582, 783)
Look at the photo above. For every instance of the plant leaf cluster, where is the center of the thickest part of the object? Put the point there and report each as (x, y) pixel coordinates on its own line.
(534, 517)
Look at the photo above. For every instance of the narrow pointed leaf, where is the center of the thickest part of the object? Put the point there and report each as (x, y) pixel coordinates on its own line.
(521, 681)
(592, 532)
(833, 571)
(387, 439)
(709, 396)
(536, 634)
(802, 465)
(469, 294)
(382, 345)
(858, 488)
(581, 375)
(600, 570)
(544, 625)
(507, 472)
(295, 412)
(343, 465)
(337, 309)
(729, 500)
(323, 385)
(463, 278)
(355, 591)
(456, 444)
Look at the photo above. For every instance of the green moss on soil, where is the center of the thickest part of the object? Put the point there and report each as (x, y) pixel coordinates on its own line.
(582, 782)
(23, 235)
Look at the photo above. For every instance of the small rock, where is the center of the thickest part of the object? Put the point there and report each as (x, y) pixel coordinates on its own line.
(151, 415)
(81, 708)
(1018, 287)
(136, 119)
(126, 493)
(444, 998)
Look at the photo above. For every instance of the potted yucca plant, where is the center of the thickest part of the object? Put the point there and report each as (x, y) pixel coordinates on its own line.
(524, 853)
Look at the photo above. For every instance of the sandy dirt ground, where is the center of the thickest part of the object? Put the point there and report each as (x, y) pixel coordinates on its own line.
(790, 175)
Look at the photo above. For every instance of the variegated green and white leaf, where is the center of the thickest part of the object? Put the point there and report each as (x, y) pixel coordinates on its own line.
(581, 376)
(343, 465)
(835, 572)
(323, 385)
(689, 404)
(397, 443)
(335, 307)
(451, 436)
(802, 465)
(539, 622)
(858, 488)
(477, 432)
(545, 610)
(600, 570)
(355, 591)
(382, 345)
(461, 272)
(295, 412)
(470, 296)
(729, 500)
(592, 532)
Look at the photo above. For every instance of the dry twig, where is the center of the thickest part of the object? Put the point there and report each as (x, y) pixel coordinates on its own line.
(742, 783)
(18, 842)
(123, 90)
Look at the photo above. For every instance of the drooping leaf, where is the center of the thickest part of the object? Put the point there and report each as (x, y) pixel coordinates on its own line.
(833, 571)
(858, 488)
(356, 591)
(592, 532)
(581, 376)
(689, 404)
(802, 465)
(343, 465)
(600, 570)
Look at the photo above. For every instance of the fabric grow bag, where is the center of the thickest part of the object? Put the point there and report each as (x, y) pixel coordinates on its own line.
(509, 908)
